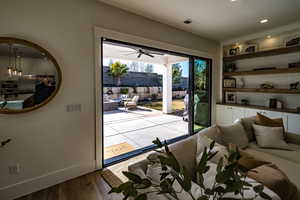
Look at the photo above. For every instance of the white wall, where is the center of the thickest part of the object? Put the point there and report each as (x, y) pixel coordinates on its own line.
(50, 144)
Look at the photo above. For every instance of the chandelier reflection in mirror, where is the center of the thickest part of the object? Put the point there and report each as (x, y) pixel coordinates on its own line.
(29, 76)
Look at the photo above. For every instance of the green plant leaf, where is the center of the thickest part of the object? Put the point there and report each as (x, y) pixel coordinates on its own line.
(220, 165)
(204, 197)
(141, 197)
(265, 196)
(133, 177)
(146, 183)
(187, 180)
(258, 188)
(158, 143)
(212, 144)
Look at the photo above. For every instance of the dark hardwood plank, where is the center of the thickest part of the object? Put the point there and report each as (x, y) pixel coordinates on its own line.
(88, 187)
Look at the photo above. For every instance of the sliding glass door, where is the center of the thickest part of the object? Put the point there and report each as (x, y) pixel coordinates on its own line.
(201, 94)
(150, 93)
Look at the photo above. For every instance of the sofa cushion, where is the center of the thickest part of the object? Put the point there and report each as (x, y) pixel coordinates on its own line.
(266, 121)
(234, 134)
(270, 137)
(184, 151)
(213, 133)
(290, 168)
(247, 123)
(288, 155)
(209, 178)
(204, 141)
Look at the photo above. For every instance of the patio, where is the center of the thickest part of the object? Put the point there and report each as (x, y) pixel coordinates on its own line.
(125, 131)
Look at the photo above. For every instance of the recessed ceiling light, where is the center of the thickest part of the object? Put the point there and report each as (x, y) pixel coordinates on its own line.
(263, 21)
(187, 21)
(233, 0)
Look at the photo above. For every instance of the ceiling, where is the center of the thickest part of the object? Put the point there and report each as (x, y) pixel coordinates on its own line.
(126, 52)
(216, 19)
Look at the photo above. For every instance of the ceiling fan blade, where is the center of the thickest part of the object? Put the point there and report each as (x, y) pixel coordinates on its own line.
(130, 53)
(148, 54)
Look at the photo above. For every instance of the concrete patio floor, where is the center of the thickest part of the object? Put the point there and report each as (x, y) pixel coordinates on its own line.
(140, 127)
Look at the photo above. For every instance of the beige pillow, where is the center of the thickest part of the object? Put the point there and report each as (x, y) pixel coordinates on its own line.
(204, 141)
(247, 123)
(270, 137)
(234, 134)
(213, 133)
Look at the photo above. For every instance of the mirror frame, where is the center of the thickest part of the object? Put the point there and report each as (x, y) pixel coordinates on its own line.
(49, 56)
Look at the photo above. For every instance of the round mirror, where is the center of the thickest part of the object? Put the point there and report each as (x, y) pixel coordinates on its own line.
(29, 76)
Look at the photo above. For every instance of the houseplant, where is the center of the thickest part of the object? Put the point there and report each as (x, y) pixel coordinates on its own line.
(230, 178)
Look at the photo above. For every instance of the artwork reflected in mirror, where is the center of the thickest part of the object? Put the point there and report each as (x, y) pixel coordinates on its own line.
(29, 76)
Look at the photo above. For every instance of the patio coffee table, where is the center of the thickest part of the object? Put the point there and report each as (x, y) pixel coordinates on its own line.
(110, 105)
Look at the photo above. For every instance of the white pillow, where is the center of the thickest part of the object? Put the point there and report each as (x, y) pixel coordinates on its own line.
(213, 133)
(204, 141)
(234, 134)
(270, 137)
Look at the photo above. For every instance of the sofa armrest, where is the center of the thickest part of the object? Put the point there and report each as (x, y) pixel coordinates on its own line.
(293, 138)
(139, 168)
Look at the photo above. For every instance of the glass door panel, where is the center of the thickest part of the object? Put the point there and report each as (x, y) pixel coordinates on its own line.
(201, 94)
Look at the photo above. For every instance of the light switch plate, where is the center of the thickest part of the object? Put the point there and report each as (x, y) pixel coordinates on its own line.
(73, 108)
(14, 169)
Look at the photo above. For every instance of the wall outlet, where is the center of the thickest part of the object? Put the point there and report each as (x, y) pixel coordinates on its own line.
(73, 108)
(14, 169)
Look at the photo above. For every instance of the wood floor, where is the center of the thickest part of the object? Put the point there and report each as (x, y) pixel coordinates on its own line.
(88, 187)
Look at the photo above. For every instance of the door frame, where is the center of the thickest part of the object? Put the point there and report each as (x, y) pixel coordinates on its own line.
(100, 33)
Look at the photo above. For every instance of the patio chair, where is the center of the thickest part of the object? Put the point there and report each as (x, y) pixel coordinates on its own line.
(131, 103)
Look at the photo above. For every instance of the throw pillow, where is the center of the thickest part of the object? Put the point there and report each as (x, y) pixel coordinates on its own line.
(266, 121)
(247, 123)
(247, 161)
(204, 141)
(270, 137)
(235, 134)
(213, 133)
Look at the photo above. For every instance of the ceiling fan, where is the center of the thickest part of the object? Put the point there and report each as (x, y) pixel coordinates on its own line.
(139, 52)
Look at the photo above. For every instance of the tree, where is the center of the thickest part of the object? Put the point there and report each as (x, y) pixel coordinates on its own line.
(200, 77)
(149, 68)
(117, 70)
(176, 73)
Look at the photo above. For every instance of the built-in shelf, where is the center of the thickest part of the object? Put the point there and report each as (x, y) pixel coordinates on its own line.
(263, 53)
(286, 110)
(263, 72)
(259, 90)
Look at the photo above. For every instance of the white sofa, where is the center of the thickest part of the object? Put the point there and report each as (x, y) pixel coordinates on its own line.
(185, 151)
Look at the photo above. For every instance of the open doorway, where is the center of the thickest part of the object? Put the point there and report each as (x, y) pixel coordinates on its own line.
(145, 96)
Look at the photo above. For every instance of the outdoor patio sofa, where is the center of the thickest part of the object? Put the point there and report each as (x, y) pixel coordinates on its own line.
(185, 151)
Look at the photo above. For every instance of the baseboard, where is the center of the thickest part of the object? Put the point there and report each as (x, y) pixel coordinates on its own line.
(41, 182)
